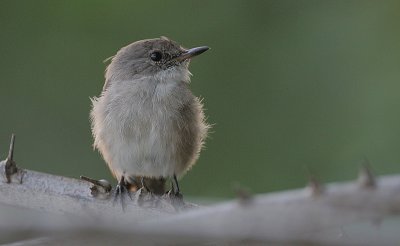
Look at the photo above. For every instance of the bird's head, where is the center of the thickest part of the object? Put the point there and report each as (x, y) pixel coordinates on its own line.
(160, 58)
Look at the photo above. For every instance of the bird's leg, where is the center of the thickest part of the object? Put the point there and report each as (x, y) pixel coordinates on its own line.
(175, 194)
(175, 191)
(176, 186)
(121, 190)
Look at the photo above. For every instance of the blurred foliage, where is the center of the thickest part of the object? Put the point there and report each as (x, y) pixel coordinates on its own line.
(289, 85)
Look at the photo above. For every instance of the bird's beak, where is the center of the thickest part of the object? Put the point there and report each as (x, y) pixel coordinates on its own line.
(192, 53)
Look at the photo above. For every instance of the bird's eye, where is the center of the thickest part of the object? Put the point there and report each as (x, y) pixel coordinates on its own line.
(156, 56)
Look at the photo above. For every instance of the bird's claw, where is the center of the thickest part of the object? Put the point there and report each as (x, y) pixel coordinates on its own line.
(121, 190)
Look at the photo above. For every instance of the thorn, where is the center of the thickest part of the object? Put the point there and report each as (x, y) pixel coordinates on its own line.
(366, 178)
(315, 186)
(11, 150)
(243, 194)
(100, 187)
(10, 167)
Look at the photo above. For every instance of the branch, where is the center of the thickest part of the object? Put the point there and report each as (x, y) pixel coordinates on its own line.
(365, 212)
(56, 194)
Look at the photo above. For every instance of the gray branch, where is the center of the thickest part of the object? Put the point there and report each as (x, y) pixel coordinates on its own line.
(51, 208)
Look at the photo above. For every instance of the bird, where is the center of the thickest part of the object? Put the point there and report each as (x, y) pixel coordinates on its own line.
(146, 123)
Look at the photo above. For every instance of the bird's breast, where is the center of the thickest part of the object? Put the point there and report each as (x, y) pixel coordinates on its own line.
(138, 109)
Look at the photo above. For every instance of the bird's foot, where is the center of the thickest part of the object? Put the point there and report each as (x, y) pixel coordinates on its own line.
(175, 194)
(176, 199)
(121, 191)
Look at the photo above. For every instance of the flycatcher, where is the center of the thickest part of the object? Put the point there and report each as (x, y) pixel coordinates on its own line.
(146, 123)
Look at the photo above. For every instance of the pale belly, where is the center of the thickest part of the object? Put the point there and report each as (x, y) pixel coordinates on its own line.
(147, 151)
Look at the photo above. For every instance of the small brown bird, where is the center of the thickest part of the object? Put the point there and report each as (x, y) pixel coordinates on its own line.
(146, 123)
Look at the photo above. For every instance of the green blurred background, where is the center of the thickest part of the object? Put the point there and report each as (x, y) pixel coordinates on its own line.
(289, 85)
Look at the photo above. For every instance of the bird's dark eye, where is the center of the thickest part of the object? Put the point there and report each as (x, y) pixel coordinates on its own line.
(156, 56)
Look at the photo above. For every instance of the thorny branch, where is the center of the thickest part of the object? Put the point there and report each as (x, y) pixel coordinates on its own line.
(364, 212)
